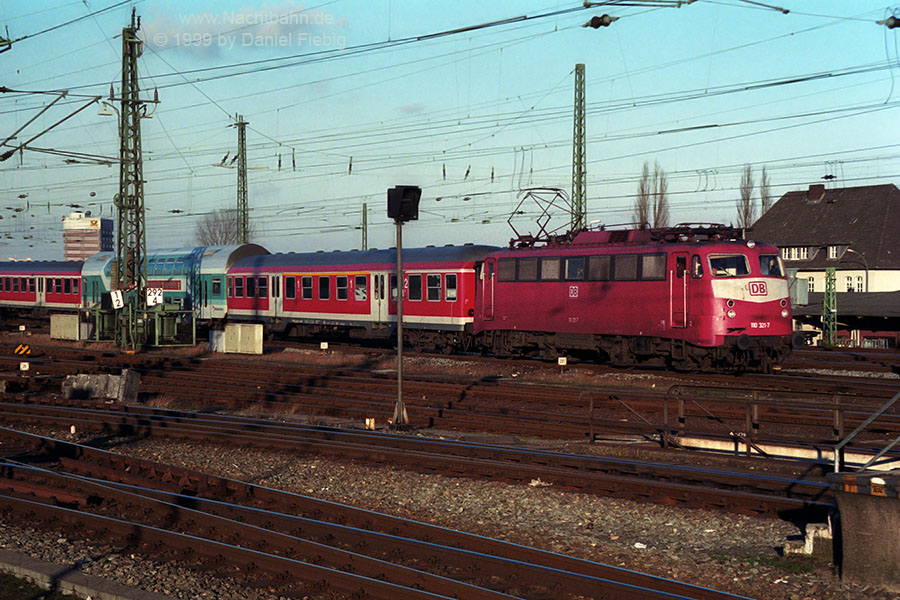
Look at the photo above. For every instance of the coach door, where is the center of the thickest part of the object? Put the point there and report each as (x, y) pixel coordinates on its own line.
(678, 289)
(488, 275)
(379, 297)
(275, 302)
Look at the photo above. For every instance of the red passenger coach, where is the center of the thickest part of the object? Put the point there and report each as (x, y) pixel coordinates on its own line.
(28, 285)
(355, 293)
(686, 297)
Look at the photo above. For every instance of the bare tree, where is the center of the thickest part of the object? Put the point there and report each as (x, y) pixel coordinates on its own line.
(641, 212)
(765, 193)
(746, 208)
(660, 199)
(652, 204)
(218, 227)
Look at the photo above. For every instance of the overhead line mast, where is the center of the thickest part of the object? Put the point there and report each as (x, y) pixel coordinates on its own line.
(243, 209)
(579, 156)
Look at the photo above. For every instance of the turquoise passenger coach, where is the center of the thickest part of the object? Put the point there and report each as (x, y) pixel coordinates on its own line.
(191, 278)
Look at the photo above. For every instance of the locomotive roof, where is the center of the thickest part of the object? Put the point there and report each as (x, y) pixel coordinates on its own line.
(466, 253)
(29, 266)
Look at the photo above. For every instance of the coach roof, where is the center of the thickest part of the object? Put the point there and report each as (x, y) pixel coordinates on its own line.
(467, 253)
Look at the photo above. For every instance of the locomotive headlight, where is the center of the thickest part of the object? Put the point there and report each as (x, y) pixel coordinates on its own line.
(751, 243)
(784, 312)
(731, 313)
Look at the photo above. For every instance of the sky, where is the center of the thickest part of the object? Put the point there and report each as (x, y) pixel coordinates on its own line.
(471, 101)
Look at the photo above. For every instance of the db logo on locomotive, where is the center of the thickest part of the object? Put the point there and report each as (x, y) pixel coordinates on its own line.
(758, 288)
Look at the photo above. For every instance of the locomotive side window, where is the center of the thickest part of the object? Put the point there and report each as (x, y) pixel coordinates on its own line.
(324, 287)
(450, 287)
(359, 288)
(729, 265)
(306, 287)
(770, 264)
(653, 267)
(342, 283)
(251, 287)
(290, 287)
(238, 287)
(433, 287)
(262, 287)
(625, 267)
(599, 268)
(550, 269)
(696, 267)
(528, 269)
(506, 269)
(575, 268)
(415, 287)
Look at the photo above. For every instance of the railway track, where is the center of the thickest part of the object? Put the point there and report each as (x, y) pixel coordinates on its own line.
(219, 523)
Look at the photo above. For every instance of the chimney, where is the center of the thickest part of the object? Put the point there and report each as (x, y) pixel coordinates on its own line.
(816, 193)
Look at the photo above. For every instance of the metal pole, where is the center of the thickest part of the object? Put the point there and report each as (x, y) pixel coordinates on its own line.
(400, 417)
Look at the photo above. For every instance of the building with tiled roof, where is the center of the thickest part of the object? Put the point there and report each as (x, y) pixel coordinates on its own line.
(855, 230)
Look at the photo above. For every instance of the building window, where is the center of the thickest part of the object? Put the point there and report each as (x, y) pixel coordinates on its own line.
(804, 252)
(859, 283)
(832, 252)
(849, 283)
(812, 284)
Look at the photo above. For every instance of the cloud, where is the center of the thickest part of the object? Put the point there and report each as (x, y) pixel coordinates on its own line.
(412, 109)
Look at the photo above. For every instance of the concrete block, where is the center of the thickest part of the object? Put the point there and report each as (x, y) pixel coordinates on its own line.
(818, 541)
(243, 338)
(65, 327)
(121, 388)
(216, 341)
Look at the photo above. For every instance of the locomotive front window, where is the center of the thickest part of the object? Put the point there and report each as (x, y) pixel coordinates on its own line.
(550, 269)
(342, 282)
(729, 265)
(450, 287)
(415, 287)
(575, 268)
(433, 287)
(770, 264)
(506, 269)
(598, 268)
(528, 269)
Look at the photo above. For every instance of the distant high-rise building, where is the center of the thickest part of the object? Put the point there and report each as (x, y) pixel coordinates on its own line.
(85, 236)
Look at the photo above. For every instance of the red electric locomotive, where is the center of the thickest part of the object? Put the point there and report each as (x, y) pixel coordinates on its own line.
(687, 297)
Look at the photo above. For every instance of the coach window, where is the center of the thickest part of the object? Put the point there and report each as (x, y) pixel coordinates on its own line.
(728, 265)
(324, 287)
(653, 267)
(625, 267)
(359, 288)
(306, 287)
(229, 286)
(575, 268)
(251, 287)
(170, 263)
(67, 286)
(528, 269)
(450, 287)
(393, 287)
(262, 287)
(506, 269)
(15, 282)
(696, 267)
(415, 287)
(290, 287)
(217, 286)
(58, 286)
(31, 284)
(599, 268)
(342, 282)
(238, 287)
(433, 285)
(75, 283)
(4, 287)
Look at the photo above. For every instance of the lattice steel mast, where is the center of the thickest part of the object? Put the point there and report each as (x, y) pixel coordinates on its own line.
(243, 210)
(579, 157)
(131, 239)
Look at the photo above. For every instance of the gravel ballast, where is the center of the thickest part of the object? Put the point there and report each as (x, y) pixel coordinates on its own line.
(728, 552)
